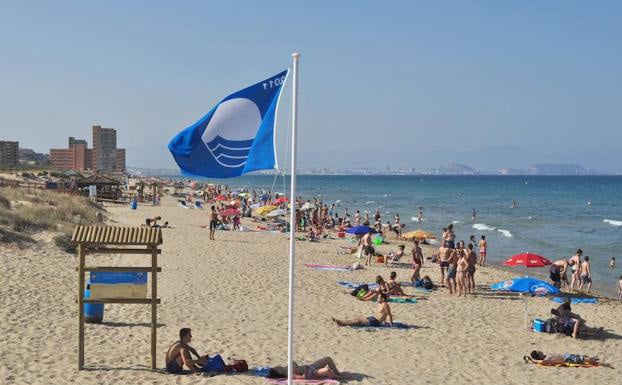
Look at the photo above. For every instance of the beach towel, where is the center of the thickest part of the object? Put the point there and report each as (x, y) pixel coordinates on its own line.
(564, 365)
(372, 285)
(396, 325)
(329, 267)
(283, 381)
(402, 299)
(575, 301)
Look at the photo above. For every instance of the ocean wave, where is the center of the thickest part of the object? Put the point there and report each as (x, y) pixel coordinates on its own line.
(370, 202)
(612, 222)
(455, 222)
(483, 227)
(506, 233)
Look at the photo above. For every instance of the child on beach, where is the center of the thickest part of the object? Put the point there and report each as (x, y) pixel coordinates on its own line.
(586, 274)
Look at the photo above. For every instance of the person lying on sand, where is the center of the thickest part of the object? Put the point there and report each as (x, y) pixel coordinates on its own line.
(324, 368)
(381, 288)
(382, 314)
(180, 354)
(557, 359)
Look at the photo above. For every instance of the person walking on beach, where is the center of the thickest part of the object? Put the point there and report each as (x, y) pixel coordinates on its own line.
(620, 289)
(213, 222)
(368, 249)
(586, 274)
(417, 261)
(483, 245)
(471, 262)
(575, 264)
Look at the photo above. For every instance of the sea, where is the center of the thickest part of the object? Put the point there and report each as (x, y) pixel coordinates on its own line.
(551, 215)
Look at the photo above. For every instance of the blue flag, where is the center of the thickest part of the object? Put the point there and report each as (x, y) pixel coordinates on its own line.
(235, 137)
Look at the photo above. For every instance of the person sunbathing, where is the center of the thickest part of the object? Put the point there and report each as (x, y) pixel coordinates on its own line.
(179, 354)
(381, 288)
(395, 257)
(394, 287)
(382, 314)
(560, 359)
(324, 368)
(572, 324)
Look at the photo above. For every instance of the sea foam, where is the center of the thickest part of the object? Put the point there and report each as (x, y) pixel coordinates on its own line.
(482, 227)
(506, 233)
(612, 222)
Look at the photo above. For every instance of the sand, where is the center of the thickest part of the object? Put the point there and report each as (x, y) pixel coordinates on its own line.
(232, 292)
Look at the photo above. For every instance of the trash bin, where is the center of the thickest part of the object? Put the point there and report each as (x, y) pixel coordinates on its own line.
(133, 204)
(93, 312)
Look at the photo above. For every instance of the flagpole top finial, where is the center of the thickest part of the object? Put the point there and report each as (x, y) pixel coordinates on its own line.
(295, 55)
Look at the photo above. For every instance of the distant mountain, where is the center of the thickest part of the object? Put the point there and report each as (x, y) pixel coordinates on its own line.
(558, 169)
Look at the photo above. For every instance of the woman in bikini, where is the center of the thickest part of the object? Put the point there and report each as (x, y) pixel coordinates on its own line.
(324, 368)
(461, 270)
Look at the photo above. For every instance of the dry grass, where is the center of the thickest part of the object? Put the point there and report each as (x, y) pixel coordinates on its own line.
(24, 212)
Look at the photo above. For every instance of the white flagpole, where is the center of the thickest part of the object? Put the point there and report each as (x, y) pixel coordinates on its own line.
(292, 225)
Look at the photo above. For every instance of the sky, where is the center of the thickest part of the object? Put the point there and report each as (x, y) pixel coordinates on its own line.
(403, 83)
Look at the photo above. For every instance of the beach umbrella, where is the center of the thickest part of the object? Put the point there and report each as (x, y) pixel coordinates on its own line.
(526, 286)
(528, 260)
(229, 212)
(308, 206)
(263, 210)
(360, 230)
(276, 213)
(418, 234)
(221, 198)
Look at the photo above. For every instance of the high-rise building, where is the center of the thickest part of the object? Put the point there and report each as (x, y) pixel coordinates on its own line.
(104, 148)
(120, 163)
(9, 153)
(76, 157)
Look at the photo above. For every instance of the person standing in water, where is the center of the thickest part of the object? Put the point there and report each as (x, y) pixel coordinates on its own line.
(586, 274)
(612, 263)
(473, 215)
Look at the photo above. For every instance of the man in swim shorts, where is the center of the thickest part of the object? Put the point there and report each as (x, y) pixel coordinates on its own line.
(443, 259)
(382, 314)
(179, 354)
(213, 222)
(586, 274)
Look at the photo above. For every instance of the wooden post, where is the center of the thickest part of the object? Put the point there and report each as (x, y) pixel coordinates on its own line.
(154, 297)
(81, 256)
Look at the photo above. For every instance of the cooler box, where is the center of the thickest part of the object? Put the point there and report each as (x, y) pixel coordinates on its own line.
(539, 326)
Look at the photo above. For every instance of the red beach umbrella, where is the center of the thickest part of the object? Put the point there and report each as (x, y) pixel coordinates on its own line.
(281, 200)
(221, 198)
(528, 260)
(229, 212)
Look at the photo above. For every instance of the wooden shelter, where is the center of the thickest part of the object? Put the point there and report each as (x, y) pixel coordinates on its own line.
(117, 240)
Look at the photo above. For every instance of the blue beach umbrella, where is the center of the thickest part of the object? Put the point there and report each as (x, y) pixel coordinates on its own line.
(360, 230)
(526, 285)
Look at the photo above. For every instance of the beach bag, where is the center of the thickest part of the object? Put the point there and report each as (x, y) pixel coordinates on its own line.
(360, 289)
(428, 285)
(418, 283)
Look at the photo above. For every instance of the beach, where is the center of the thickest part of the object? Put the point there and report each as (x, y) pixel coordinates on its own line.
(232, 292)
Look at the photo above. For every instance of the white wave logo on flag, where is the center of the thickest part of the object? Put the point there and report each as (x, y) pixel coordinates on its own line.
(239, 118)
